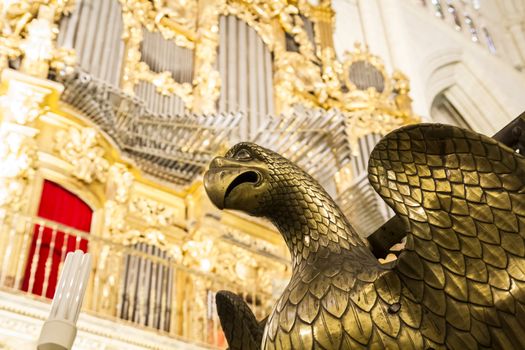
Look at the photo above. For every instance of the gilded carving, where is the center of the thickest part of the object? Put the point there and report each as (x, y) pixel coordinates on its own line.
(21, 105)
(149, 236)
(38, 46)
(28, 30)
(317, 84)
(402, 90)
(18, 157)
(81, 148)
(153, 213)
(177, 19)
(207, 81)
(118, 187)
(251, 242)
(138, 14)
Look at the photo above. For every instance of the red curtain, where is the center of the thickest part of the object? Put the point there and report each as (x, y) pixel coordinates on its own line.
(59, 205)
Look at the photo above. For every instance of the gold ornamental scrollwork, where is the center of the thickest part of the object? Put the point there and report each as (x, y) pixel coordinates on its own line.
(207, 80)
(369, 110)
(29, 30)
(137, 15)
(18, 158)
(81, 148)
(118, 187)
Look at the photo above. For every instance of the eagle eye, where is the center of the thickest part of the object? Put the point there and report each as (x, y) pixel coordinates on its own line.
(243, 154)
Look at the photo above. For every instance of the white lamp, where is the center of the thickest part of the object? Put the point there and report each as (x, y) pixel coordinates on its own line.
(59, 331)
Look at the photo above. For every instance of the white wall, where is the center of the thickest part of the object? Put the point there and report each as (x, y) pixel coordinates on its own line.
(486, 89)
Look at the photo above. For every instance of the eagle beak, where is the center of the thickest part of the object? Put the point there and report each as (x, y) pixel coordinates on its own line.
(221, 178)
(215, 188)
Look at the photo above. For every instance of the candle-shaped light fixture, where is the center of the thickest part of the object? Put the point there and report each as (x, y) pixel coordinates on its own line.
(59, 331)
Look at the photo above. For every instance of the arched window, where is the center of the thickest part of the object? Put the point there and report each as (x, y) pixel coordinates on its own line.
(50, 243)
(443, 111)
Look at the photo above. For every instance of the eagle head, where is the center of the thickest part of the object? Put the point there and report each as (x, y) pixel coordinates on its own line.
(250, 178)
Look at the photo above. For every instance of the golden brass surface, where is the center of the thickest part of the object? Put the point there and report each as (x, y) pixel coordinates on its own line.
(459, 283)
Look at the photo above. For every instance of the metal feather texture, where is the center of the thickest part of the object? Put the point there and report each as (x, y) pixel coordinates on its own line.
(459, 283)
(238, 322)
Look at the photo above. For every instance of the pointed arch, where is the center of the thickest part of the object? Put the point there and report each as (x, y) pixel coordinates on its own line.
(465, 80)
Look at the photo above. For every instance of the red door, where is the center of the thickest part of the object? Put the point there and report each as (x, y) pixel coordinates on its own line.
(61, 206)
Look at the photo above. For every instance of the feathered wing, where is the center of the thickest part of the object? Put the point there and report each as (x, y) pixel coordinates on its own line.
(241, 328)
(462, 197)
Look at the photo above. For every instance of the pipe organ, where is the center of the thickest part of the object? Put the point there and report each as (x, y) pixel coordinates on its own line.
(162, 55)
(363, 75)
(147, 289)
(94, 30)
(125, 103)
(245, 64)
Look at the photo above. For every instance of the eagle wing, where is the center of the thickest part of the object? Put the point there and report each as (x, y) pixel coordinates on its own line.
(462, 197)
(238, 322)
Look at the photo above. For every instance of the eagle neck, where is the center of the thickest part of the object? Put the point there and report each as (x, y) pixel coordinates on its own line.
(312, 224)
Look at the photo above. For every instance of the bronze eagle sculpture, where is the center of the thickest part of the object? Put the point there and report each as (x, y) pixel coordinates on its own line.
(459, 283)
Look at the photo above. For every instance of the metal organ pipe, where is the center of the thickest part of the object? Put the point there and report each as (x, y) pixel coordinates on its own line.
(231, 75)
(269, 81)
(243, 72)
(164, 55)
(245, 65)
(252, 77)
(113, 35)
(94, 30)
(261, 90)
(222, 58)
(99, 27)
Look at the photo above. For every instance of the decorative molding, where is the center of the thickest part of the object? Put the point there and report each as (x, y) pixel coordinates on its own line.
(81, 147)
(28, 32)
(118, 187)
(153, 213)
(139, 14)
(21, 319)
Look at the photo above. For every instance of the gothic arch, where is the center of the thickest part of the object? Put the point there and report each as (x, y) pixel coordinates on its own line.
(451, 74)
